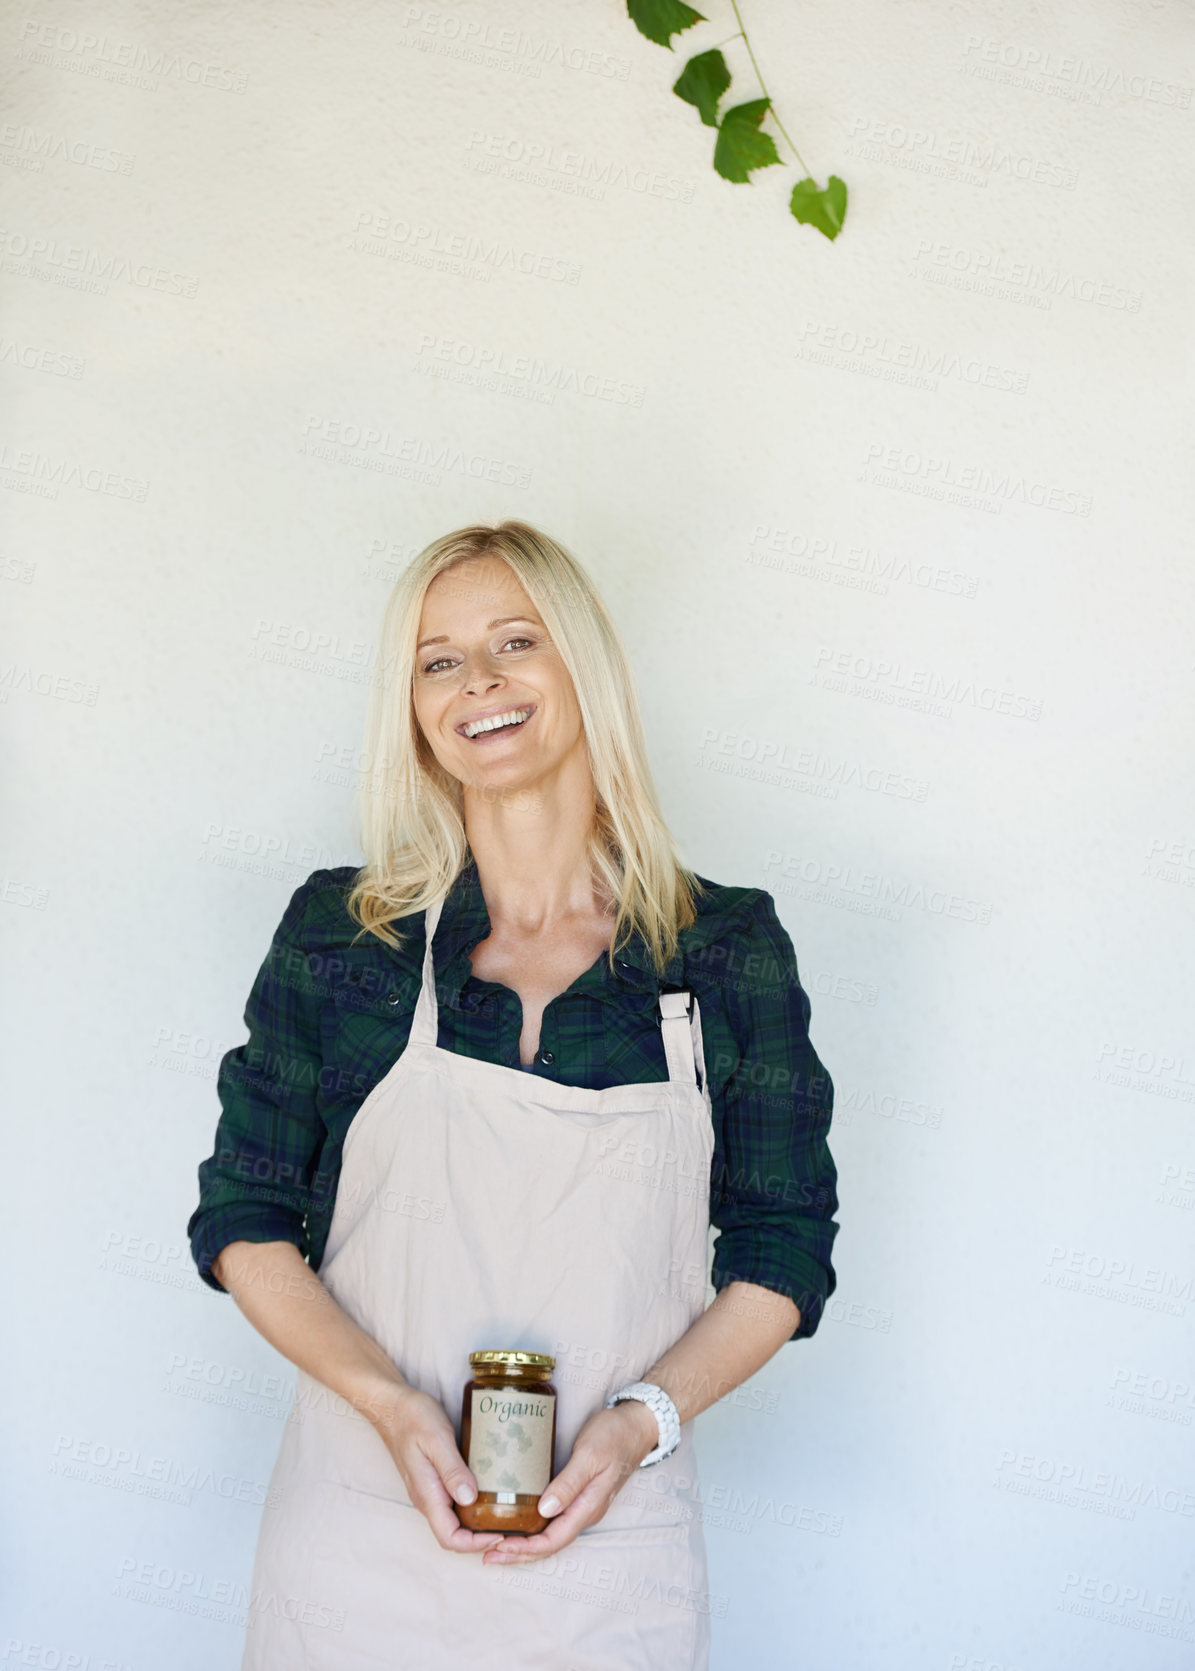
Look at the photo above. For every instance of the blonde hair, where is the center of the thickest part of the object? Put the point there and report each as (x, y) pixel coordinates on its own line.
(411, 811)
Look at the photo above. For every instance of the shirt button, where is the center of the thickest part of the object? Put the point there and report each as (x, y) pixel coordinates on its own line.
(546, 1057)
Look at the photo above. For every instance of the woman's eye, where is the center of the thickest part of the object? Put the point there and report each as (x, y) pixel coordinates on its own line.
(442, 662)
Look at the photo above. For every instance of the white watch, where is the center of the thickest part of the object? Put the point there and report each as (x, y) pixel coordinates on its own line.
(667, 1419)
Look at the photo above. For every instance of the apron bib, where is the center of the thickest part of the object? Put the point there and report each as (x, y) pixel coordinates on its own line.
(481, 1206)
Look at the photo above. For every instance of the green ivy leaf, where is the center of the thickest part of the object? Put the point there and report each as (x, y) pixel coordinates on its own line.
(702, 82)
(659, 20)
(740, 146)
(826, 210)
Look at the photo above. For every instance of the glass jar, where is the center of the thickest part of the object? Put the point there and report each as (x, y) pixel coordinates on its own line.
(508, 1440)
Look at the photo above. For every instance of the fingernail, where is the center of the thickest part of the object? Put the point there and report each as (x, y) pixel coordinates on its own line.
(465, 1494)
(549, 1505)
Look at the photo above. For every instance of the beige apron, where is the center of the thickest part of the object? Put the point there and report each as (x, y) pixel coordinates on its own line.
(482, 1206)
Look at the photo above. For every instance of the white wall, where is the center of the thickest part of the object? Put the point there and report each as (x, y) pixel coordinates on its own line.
(894, 538)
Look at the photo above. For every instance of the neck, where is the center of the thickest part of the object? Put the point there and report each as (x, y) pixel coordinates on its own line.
(531, 848)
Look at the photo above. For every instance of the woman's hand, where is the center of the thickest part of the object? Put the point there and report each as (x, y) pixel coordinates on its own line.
(288, 1304)
(609, 1449)
(422, 1441)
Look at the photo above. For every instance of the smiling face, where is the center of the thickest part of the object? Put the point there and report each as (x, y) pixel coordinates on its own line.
(484, 655)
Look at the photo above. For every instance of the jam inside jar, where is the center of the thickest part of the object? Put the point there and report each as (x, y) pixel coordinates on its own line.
(508, 1439)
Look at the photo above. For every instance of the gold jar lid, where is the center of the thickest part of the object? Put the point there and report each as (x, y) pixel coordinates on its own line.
(532, 1360)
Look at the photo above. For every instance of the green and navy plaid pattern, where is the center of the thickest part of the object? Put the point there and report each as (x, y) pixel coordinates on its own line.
(327, 1020)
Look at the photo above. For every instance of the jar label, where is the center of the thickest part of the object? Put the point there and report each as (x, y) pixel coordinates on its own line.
(510, 1440)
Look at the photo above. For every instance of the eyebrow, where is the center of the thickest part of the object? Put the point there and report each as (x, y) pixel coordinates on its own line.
(502, 621)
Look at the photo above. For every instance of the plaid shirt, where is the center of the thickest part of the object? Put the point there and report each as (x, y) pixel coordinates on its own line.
(327, 1020)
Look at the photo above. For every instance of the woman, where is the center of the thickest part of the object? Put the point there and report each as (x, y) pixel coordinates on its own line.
(475, 1100)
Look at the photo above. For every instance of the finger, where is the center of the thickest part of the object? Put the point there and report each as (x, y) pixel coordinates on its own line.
(569, 1483)
(451, 1468)
(586, 1508)
(450, 1534)
(430, 1496)
(465, 1542)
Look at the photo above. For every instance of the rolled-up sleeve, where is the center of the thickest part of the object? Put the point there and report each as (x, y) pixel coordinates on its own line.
(773, 1185)
(255, 1186)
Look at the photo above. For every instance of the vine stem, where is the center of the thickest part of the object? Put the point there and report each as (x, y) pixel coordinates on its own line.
(763, 89)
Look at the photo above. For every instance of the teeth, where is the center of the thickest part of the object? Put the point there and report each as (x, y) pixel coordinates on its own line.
(495, 723)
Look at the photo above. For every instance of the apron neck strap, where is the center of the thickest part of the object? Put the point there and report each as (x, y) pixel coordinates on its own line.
(425, 1026)
(681, 1036)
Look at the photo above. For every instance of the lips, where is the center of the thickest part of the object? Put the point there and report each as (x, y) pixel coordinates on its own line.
(527, 708)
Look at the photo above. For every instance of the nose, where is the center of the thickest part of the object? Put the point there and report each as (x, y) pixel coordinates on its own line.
(479, 671)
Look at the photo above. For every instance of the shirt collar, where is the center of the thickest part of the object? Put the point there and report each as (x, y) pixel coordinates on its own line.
(465, 922)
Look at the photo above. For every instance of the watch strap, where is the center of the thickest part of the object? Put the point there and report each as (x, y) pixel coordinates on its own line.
(664, 1410)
